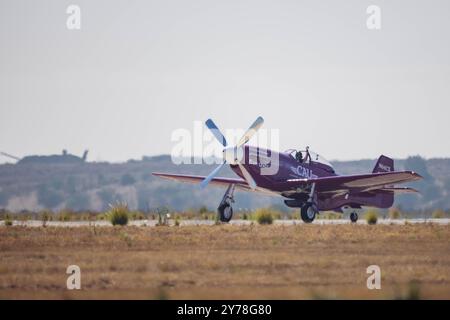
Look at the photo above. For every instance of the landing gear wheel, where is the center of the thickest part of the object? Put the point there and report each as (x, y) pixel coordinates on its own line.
(354, 217)
(225, 212)
(308, 212)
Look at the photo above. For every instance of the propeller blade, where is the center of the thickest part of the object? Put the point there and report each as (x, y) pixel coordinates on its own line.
(247, 176)
(251, 131)
(213, 173)
(216, 132)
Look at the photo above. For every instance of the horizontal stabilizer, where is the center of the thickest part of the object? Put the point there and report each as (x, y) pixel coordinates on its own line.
(400, 190)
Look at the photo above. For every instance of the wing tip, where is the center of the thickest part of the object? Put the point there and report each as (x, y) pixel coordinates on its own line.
(158, 174)
(416, 175)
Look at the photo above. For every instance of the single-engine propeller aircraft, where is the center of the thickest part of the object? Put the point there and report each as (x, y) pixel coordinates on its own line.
(304, 178)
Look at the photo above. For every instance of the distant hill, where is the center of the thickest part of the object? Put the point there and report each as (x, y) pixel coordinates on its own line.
(92, 186)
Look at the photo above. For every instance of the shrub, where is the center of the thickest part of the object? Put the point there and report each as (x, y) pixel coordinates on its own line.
(263, 216)
(438, 214)
(46, 216)
(137, 215)
(24, 217)
(330, 215)
(203, 209)
(394, 213)
(413, 292)
(204, 216)
(371, 216)
(8, 220)
(216, 220)
(295, 215)
(118, 215)
(65, 215)
(85, 217)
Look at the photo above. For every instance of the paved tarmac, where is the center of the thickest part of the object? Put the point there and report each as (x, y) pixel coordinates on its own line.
(152, 223)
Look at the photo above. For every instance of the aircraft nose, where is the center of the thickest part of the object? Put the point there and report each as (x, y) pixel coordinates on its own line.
(233, 155)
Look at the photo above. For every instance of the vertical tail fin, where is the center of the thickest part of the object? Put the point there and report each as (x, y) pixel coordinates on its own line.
(384, 164)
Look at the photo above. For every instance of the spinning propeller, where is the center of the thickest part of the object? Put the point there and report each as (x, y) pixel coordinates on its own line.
(233, 154)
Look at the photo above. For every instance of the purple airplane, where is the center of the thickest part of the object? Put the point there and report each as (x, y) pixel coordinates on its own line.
(304, 178)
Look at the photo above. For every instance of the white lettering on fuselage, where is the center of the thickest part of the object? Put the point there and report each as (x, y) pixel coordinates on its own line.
(303, 172)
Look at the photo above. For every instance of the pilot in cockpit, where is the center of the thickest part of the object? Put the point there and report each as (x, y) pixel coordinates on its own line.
(299, 156)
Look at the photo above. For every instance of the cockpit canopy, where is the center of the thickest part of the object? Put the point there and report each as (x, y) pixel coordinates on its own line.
(308, 156)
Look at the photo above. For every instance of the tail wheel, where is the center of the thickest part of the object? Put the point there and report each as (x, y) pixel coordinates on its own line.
(308, 212)
(225, 212)
(353, 217)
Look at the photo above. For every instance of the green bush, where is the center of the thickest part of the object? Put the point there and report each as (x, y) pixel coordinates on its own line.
(264, 216)
(330, 215)
(438, 214)
(65, 215)
(413, 292)
(371, 216)
(45, 216)
(137, 215)
(8, 220)
(295, 215)
(118, 215)
(394, 213)
(203, 209)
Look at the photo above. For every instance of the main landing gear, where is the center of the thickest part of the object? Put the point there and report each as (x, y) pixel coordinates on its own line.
(308, 212)
(309, 209)
(225, 210)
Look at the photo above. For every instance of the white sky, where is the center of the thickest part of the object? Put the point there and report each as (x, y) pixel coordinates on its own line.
(137, 70)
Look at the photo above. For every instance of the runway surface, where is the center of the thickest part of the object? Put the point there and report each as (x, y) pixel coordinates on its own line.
(152, 223)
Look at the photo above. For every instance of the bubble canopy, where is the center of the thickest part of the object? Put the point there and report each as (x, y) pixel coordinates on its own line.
(314, 156)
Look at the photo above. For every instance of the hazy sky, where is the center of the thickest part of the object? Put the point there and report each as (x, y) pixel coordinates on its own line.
(137, 70)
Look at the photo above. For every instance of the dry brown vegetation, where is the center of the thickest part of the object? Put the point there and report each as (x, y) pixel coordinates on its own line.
(226, 261)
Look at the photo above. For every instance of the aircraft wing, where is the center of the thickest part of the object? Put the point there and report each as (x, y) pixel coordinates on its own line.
(361, 183)
(219, 181)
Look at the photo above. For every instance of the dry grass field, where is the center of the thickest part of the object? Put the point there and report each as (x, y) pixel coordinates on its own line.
(226, 262)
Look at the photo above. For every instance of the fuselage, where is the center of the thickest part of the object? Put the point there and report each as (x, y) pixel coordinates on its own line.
(271, 170)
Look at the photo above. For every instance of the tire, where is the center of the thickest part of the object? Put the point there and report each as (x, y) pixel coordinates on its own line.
(308, 212)
(353, 217)
(225, 212)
